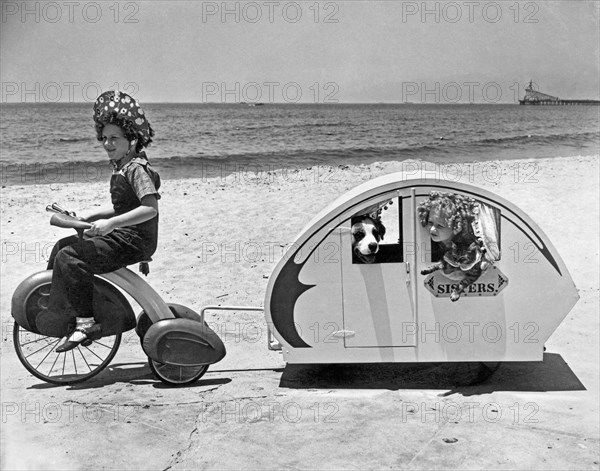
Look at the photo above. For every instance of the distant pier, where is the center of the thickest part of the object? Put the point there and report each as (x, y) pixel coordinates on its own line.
(533, 97)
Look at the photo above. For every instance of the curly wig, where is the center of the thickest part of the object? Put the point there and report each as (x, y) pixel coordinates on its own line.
(129, 129)
(460, 211)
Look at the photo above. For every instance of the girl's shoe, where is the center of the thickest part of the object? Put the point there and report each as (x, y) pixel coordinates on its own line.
(85, 332)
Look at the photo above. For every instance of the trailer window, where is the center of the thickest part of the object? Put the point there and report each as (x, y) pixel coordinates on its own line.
(390, 248)
(487, 228)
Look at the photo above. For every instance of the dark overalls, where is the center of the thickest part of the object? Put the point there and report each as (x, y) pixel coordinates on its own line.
(74, 264)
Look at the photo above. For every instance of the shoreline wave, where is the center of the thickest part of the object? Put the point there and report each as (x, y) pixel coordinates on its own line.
(91, 172)
(441, 144)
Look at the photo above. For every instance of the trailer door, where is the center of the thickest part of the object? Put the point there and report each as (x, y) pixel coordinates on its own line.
(378, 307)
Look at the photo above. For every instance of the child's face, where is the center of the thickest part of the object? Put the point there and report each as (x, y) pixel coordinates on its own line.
(439, 230)
(114, 142)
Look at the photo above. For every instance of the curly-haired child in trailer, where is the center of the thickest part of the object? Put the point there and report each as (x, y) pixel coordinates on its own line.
(451, 220)
(122, 234)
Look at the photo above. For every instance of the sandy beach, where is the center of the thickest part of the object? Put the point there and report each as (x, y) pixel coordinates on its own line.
(219, 239)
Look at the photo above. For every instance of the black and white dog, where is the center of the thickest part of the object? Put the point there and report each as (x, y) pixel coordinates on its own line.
(367, 232)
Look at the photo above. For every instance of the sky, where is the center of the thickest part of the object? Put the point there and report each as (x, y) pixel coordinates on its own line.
(299, 51)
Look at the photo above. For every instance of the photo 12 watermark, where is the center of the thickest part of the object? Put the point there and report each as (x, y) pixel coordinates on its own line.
(470, 332)
(59, 92)
(25, 251)
(469, 412)
(265, 173)
(230, 332)
(70, 12)
(469, 172)
(252, 252)
(255, 93)
(455, 92)
(67, 172)
(270, 12)
(258, 332)
(40, 412)
(470, 12)
(253, 411)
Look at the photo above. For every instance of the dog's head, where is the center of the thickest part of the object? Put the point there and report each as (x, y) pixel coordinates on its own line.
(366, 234)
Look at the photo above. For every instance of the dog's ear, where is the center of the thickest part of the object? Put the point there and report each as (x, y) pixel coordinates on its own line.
(380, 228)
(356, 219)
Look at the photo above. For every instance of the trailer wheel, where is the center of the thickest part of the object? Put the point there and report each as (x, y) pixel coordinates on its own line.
(471, 373)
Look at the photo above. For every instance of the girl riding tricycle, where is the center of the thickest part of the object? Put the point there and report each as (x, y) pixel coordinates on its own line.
(75, 312)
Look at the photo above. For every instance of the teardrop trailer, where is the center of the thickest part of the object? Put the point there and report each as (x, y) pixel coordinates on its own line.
(323, 306)
(387, 311)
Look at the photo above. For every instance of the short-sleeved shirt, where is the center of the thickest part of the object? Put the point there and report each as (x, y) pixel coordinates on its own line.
(142, 177)
(128, 186)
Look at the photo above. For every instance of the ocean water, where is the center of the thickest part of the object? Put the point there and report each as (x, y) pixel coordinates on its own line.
(55, 143)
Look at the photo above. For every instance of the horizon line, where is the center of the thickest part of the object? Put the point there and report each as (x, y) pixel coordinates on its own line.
(249, 103)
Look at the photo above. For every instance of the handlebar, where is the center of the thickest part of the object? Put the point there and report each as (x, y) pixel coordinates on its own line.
(66, 219)
(55, 208)
(69, 222)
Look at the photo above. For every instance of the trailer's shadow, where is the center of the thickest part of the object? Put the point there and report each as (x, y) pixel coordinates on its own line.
(551, 374)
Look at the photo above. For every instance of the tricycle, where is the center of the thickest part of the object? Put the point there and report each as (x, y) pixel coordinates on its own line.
(179, 345)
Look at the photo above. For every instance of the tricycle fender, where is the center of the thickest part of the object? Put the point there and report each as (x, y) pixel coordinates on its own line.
(30, 308)
(183, 341)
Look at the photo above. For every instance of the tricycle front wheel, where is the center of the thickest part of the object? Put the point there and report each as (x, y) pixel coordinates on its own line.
(177, 375)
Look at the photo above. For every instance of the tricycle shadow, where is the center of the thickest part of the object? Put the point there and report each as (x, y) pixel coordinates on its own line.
(136, 374)
(551, 374)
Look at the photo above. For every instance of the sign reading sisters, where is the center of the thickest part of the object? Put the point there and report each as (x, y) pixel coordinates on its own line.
(490, 283)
